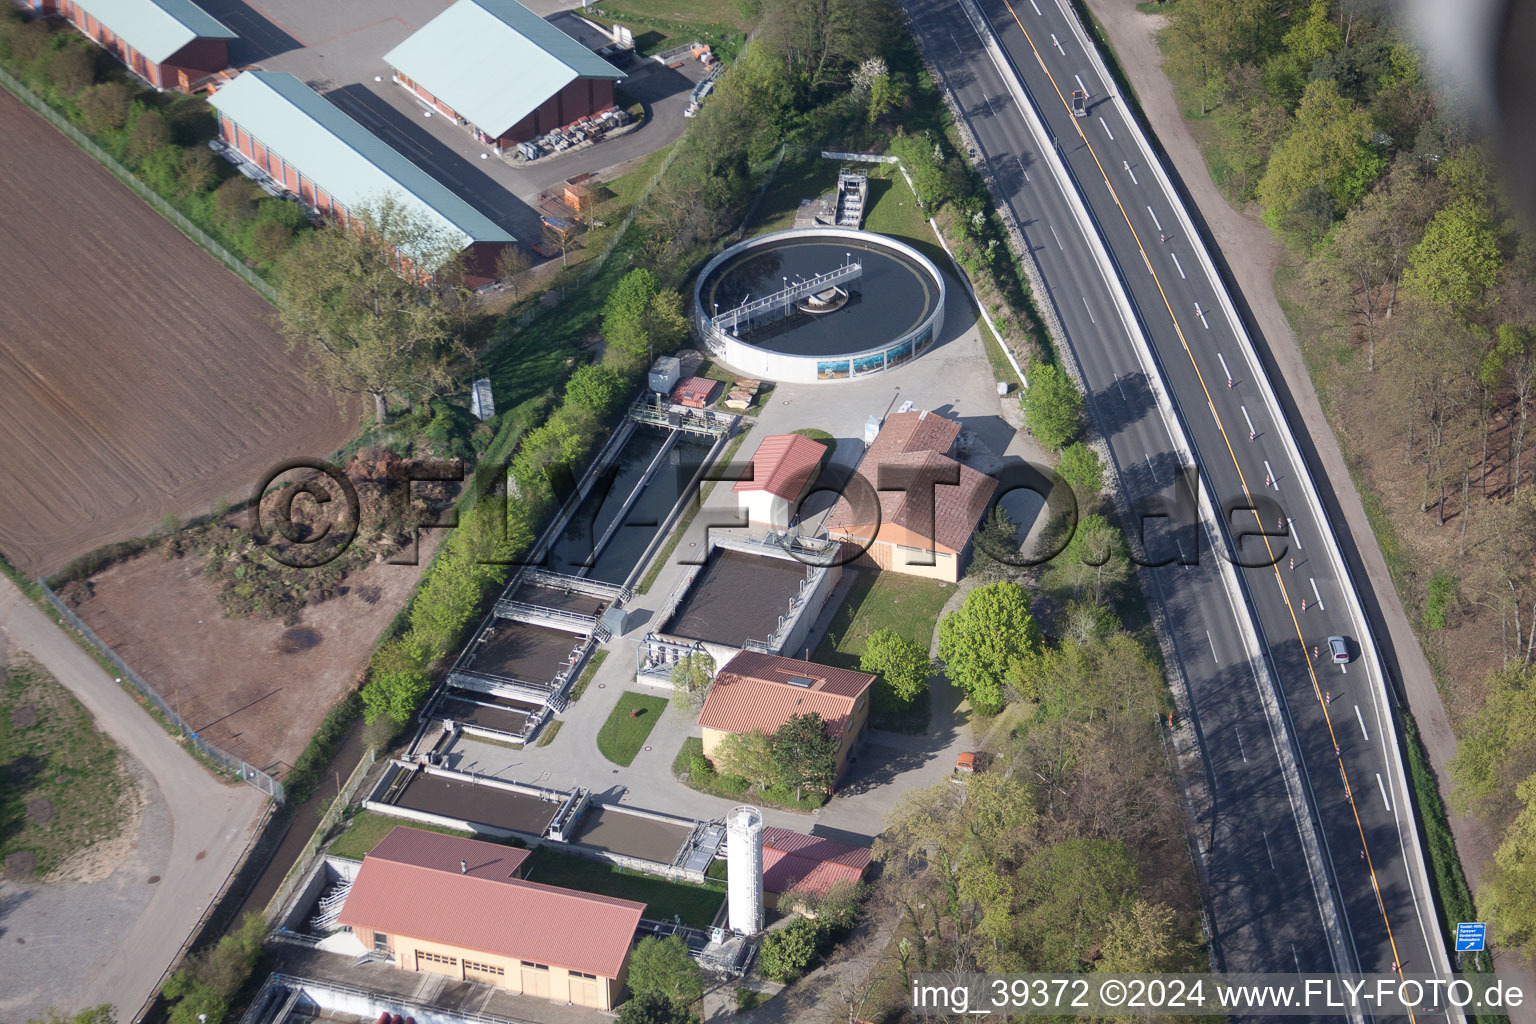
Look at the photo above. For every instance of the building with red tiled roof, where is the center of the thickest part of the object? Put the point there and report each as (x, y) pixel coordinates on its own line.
(928, 503)
(694, 392)
(794, 860)
(460, 908)
(758, 692)
(783, 468)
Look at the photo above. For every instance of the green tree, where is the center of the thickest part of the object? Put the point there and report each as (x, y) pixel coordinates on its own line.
(366, 329)
(691, 677)
(984, 639)
(1053, 407)
(1457, 260)
(234, 202)
(805, 754)
(511, 263)
(104, 107)
(194, 1002)
(197, 171)
(901, 665)
(1142, 939)
(653, 1009)
(1310, 39)
(270, 239)
(786, 953)
(664, 967)
(1093, 565)
(147, 136)
(747, 754)
(394, 695)
(595, 387)
(1509, 890)
(1322, 166)
(71, 69)
(1074, 889)
(1081, 467)
(641, 318)
(1498, 746)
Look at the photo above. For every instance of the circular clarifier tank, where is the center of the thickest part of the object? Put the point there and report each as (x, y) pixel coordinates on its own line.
(818, 304)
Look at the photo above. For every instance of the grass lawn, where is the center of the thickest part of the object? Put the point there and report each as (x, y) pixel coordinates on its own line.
(367, 828)
(593, 664)
(663, 899)
(549, 732)
(622, 736)
(63, 786)
(884, 600)
(708, 12)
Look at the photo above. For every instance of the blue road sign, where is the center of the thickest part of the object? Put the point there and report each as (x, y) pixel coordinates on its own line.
(1470, 936)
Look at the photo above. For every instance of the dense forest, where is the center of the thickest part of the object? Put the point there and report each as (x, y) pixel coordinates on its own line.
(1409, 280)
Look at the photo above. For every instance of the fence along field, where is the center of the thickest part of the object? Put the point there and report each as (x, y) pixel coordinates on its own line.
(139, 378)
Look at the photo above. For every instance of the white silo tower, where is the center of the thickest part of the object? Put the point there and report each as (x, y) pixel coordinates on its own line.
(744, 864)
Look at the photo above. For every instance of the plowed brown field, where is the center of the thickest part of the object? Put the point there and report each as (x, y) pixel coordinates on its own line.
(138, 376)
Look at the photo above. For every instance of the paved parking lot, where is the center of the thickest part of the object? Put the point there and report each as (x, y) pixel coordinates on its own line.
(338, 49)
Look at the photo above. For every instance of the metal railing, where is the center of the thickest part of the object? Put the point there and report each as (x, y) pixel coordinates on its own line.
(144, 192)
(249, 772)
(777, 305)
(332, 813)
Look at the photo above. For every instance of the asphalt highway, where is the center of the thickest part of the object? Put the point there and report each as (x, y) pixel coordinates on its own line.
(1267, 906)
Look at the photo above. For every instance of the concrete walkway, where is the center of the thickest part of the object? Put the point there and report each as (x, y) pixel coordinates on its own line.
(1252, 255)
(193, 833)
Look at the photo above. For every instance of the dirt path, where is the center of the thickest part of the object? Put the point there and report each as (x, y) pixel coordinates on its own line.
(1252, 256)
(191, 839)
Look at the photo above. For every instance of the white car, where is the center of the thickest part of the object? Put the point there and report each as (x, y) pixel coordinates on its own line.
(1338, 650)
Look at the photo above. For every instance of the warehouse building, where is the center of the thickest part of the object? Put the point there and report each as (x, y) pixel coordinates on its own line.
(923, 528)
(441, 904)
(333, 164)
(758, 692)
(171, 44)
(503, 70)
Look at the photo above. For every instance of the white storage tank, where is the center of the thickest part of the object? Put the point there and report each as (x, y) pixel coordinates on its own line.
(744, 869)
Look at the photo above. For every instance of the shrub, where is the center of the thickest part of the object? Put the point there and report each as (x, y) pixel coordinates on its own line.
(1053, 407)
(595, 387)
(234, 202)
(71, 69)
(1442, 598)
(148, 135)
(730, 784)
(198, 170)
(699, 767)
(785, 954)
(104, 107)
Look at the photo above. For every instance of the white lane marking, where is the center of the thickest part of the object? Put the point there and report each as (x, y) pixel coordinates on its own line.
(1316, 594)
(1383, 786)
(1021, 167)
(1182, 561)
(1240, 749)
(1290, 528)
(1057, 43)
(1178, 264)
(1057, 237)
(1106, 129)
(1036, 7)
(1251, 429)
(1083, 87)
(1224, 369)
(1343, 668)
(1270, 474)
(1295, 958)
(1149, 467)
(1121, 384)
(1361, 719)
(1201, 314)
(1090, 312)
(1268, 850)
(1207, 632)
(1129, 171)
(1155, 220)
